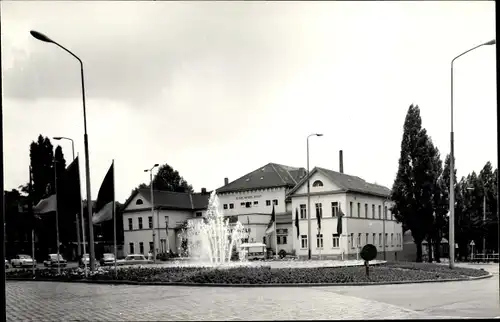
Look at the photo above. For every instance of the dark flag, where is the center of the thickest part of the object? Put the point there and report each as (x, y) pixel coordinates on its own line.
(297, 221)
(271, 225)
(318, 217)
(105, 198)
(70, 189)
(339, 221)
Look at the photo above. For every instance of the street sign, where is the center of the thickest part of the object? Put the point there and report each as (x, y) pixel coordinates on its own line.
(472, 243)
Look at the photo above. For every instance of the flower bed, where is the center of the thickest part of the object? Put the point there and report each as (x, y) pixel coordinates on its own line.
(389, 272)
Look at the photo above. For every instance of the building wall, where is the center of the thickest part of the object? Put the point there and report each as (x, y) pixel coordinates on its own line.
(259, 196)
(327, 184)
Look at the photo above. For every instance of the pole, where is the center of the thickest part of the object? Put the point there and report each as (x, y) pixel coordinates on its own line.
(32, 217)
(308, 205)
(83, 222)
(484, 224)
(166, 231)
(114, 219)
(3, 316)
(152, 212)
(275, 235)
(451, 233)
(78, 238)
(158, 227)
(57, 217)
(383, 228)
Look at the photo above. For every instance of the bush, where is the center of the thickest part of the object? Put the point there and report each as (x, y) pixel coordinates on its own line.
(282, 253)
(389, 272)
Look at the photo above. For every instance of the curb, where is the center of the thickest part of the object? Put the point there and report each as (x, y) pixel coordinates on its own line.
(124, 282)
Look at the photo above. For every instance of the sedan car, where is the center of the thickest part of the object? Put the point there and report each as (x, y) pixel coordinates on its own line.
(22, 261)
(134, 259)
(52, 261)
(85, 260)
(107, 259)
(7, 264)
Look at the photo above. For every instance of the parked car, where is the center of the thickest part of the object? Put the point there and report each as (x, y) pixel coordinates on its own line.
(107, 259)
(7, 264)
(52, 261)
(134, 259)
(85, 260)
(22, 261)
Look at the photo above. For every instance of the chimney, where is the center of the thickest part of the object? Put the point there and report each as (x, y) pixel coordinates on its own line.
(341, 161)
(203, 190)
(226, 181)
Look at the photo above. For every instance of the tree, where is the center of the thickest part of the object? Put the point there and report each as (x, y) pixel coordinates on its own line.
(167, 179)
(416, 180)
(487, 179)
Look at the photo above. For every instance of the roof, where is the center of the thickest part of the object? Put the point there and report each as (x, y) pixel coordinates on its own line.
(272, 175)
(348, 183)
(174, 200)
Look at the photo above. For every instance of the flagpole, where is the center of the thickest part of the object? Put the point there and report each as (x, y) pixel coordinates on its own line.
(57, 217)
(81, 218)
(32, 216)
(275, 235)
(114, 217)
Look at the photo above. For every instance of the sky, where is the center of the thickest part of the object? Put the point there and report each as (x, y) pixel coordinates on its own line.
(219, 89)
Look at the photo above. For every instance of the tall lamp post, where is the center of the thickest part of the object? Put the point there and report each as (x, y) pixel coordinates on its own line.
(78, 238)
(309, 242)
(384, 218)
(152, 207)
(44, 38)
(452, 163)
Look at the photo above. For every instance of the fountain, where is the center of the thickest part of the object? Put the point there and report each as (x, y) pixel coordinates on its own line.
(211, 240)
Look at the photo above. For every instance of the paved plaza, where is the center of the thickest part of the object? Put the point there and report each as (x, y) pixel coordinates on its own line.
(49, 301)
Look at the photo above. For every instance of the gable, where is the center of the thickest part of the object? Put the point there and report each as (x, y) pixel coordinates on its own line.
(138, 202)
(317, 177)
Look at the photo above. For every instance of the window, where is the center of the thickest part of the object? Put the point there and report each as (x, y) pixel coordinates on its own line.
(139, 202)
(281, 236)
(373, 211)
(163, 245)
(359, 240)
(385, 239)
(319, 241)
(373, 239)
(385, 213)
(242, 204)
(131, 248)
(380, 239)
(166, 222)
(352, 240)
(199, 214)
(366, 210)
(225, 206)
(359, 210)
(392, 239)
(141, 248)
(390, 213)
(140, 222)
(248, 204)
(150, 222)
(379, 212)
(319, 210)
(350, 209)
(335, 241)
(303, 241)
(275, 202)
(366, 238)
(231, 206)
(335, 209)
(151, 246)
(268, 202)
(317, 183)
(255, 203)
(130, 225)
(303, 211)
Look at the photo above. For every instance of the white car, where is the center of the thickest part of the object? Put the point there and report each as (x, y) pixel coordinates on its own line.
(22, 261)
(134, 259)
(52, 261)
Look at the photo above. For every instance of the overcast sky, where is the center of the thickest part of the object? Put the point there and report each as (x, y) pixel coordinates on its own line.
(218, 89)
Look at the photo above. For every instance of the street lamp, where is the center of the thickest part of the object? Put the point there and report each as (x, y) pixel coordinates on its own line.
(44, 38)
(58, 138)
(152, 207)
(309, 242)
(452, 163)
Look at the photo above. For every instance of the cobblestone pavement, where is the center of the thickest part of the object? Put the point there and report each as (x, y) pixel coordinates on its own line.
(48, 301)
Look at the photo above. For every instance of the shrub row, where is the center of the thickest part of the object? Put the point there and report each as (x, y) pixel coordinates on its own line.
(390, 272)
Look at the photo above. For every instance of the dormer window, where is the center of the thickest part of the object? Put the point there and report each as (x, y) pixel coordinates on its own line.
(317, 183)
(139, 202)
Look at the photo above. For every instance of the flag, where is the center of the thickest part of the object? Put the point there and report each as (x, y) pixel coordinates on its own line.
(318, 217)
(270, 226)
(48, 204)
(105, 199)
(248, 220)
(70, 190)
(339, 221)
(166, 225)
(297, 221)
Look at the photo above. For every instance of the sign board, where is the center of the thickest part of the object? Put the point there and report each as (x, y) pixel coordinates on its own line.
(472, 243)
(248, 197)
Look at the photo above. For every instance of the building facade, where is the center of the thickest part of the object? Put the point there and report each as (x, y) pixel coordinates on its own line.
(171, 211)
(366, 219)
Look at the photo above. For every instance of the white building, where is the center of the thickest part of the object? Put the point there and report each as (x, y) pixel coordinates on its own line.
(250, 200)
(363, 205)
(171, 209)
